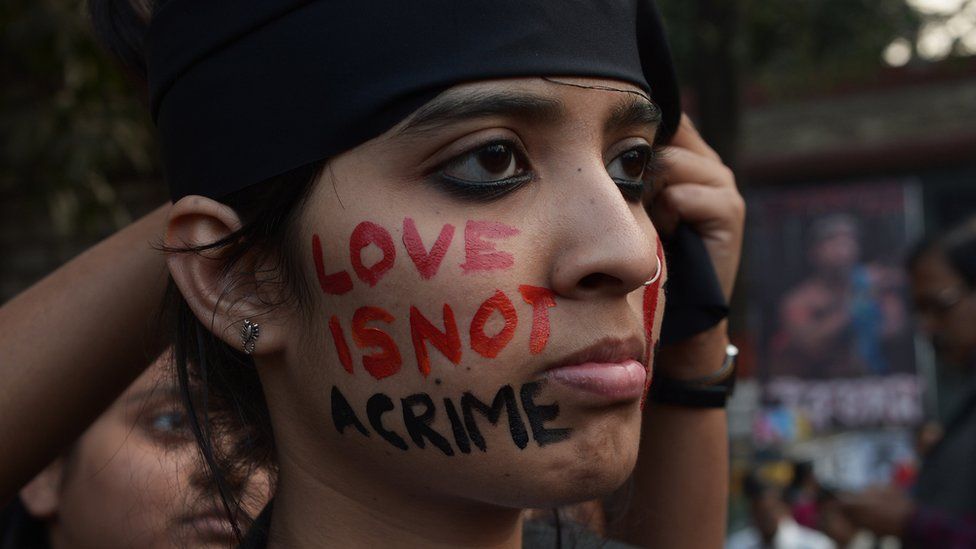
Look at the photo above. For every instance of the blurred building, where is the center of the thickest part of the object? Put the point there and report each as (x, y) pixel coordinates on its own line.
(914, 121)
(912, 127)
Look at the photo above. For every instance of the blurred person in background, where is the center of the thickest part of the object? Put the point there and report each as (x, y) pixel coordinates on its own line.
(802, 494)
(926, 435)
(836, 322)
(134, 479)
(941, 509)
(833, 521)
(773, 526)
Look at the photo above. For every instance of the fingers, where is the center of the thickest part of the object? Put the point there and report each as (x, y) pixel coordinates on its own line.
(697, 204)
(687, 137)
(683, 166)
(698, 189)
(687, 166)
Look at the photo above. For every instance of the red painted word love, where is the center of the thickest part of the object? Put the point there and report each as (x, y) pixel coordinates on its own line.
(479, 251)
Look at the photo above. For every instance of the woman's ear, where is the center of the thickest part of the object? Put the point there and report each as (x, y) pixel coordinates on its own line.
(42, 495)
(222, 299)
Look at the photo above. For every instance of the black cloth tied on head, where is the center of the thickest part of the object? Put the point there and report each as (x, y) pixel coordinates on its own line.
(243, 91)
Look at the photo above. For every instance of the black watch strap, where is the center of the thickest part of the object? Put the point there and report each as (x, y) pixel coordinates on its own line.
(708, 392)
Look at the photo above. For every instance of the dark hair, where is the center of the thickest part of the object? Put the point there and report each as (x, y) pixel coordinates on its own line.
(220, 387)
(958, 245)
(755, 486)
(120, 26)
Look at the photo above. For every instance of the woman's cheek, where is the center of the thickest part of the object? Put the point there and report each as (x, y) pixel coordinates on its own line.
(123, 490)
(424, 327)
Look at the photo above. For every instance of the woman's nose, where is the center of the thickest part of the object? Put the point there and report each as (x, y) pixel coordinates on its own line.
(607, 245)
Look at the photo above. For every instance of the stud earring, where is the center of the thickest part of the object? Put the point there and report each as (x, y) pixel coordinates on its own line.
(250, 332)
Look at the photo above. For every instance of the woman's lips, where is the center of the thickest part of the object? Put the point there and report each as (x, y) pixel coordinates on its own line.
(607, 381)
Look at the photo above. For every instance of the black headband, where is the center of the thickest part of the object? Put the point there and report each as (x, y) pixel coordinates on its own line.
(243, 91)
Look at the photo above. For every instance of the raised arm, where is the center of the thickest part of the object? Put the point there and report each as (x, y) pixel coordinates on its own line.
(70, 344)
(681, 478)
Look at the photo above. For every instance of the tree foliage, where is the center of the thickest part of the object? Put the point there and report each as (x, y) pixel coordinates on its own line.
(785, 46)
(70, 122)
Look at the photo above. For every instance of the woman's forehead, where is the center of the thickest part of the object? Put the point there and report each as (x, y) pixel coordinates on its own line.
(547, 84)
(536, 99)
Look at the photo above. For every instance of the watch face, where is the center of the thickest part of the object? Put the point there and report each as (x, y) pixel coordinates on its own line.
(731, 358)
(731, 351)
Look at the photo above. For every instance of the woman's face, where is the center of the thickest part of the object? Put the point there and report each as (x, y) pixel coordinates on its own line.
(946, 308)
(134, 479)
(477, 329)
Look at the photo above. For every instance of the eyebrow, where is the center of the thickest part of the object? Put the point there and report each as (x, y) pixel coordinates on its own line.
(637, 111)
(459, 107)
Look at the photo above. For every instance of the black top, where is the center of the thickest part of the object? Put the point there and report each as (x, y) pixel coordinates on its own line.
(535, 535)
(947, 479)
(19, 530)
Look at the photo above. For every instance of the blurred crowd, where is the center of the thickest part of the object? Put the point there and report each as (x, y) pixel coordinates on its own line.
(927, 502)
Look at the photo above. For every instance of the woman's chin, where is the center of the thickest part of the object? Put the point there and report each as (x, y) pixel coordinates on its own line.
(593, 478)
(582, 483)
(591, 464)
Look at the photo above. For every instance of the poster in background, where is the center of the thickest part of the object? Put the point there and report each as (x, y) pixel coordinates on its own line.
(828, 311)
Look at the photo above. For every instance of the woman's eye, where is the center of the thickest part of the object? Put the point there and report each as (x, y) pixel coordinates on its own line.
(491, 167)
(631, 170)
(169, 425)
(629, 166)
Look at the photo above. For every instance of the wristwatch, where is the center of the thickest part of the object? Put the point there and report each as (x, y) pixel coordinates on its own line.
(710, 391)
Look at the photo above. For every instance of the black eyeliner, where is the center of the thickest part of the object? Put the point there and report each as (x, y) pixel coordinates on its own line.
(633, 191)
(484, 191)
(481, 191)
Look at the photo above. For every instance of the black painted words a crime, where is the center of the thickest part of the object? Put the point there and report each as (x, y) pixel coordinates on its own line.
(467, 417)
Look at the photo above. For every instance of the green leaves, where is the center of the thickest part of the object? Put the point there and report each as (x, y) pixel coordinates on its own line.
(70, 122)
(784, 46)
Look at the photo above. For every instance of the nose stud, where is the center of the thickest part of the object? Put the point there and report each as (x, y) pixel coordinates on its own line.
(656, 276)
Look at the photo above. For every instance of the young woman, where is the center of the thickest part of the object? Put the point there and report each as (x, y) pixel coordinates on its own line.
(413, 254)
(941, 509)
(133, 479)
